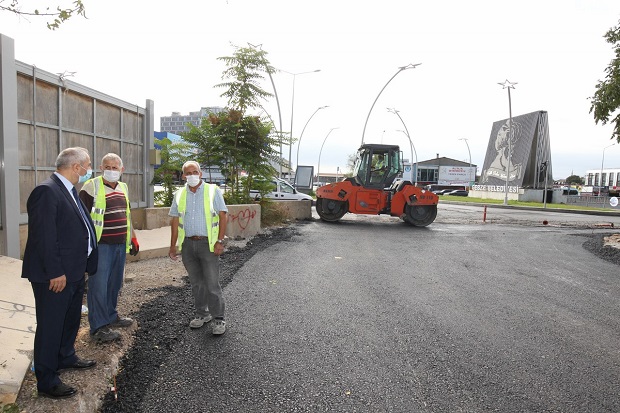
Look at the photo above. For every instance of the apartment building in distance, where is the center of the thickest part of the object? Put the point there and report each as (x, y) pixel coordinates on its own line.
(178, 124)
(609, 184)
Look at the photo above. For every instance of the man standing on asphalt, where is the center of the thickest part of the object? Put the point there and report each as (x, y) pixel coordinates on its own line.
(198, 225)
(108, 200)
(61, 247)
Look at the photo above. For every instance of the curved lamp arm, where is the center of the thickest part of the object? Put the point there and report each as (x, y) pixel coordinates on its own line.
(400, 69)
(302, 134)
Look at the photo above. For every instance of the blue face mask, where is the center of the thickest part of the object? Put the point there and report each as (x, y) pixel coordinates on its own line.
(84, 178)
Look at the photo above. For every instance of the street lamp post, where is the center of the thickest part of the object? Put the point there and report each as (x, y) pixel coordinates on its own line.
(302, 135)
(318, 169)
(468, 151)
(508, 85)
(413, 151)
(270, 69)
(400, 69)
(544, 168)
(290, 146)
(600, 181)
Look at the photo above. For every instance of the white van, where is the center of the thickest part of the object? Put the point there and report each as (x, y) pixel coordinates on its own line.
(283, 191)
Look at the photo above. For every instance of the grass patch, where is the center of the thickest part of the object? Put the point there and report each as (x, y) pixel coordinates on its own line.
(475, 200)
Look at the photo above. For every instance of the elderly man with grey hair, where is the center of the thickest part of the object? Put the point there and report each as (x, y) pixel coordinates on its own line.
(61, 248)
(107, 199)
(198, 226)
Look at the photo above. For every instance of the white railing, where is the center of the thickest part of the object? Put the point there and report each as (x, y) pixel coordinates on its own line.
(590, 201)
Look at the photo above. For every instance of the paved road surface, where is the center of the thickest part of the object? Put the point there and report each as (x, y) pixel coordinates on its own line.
(371, 315)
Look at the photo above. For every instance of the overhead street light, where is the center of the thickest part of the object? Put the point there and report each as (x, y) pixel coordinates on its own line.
(318, 169)
(400, 69)
(406, 132)
(270, 69)
(468, 151)
(290, 147)
(600, 181)
(302, 135)
(508, 85)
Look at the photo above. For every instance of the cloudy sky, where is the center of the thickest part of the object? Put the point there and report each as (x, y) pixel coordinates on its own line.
(167, 51)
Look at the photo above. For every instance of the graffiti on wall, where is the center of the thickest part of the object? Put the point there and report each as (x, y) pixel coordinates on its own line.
(243, 218)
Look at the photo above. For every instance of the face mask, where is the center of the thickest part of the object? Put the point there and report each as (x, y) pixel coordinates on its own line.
(111, 176)
(84, 178)
(193, 180)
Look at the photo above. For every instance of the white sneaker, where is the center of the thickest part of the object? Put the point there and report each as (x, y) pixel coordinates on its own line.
(199, 321)
(219, 327)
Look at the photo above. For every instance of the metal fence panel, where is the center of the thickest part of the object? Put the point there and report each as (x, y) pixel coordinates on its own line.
(51, 113)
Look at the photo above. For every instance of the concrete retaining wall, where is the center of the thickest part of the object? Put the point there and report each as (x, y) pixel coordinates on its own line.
(239, 216)
(244, 221)
(295, 210)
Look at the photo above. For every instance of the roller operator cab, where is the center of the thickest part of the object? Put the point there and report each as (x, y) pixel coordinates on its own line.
(374, 190)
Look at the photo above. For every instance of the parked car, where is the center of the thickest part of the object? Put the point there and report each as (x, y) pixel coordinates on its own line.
(317, 185)
(282, 191)
(457, 192)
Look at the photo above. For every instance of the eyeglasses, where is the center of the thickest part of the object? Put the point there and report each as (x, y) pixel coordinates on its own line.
(192, 173)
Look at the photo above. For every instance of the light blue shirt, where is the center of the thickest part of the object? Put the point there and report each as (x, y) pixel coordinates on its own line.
(69, 187)
(195, 222)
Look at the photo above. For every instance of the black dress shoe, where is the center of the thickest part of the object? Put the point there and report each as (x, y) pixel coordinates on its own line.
(80, 365)
(60, 391)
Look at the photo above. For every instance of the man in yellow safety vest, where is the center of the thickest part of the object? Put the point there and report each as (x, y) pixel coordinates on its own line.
(107, 199)
(198, 226)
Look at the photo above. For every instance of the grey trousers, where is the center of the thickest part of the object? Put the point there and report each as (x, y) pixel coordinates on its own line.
(203, 268)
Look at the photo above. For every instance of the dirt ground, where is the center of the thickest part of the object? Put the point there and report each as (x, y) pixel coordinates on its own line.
(145, 281)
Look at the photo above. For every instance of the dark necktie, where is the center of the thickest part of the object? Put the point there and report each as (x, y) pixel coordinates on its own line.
(84, 217)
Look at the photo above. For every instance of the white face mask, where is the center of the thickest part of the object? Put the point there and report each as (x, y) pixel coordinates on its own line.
(193, 180)
(111, 176)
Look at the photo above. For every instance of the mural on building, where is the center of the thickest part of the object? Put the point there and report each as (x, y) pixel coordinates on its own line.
(529, 147)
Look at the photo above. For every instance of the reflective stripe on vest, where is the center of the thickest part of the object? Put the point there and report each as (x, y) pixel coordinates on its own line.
(97, 213)
(212, 218)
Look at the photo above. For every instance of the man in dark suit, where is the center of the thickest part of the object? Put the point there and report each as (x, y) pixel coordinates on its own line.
(61, 248)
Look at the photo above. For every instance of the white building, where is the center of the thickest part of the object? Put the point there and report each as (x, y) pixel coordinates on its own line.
(611, 177)
(177, 123)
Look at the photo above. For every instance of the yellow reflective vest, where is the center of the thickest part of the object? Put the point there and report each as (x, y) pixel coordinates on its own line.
(212, 218)
(98, 211)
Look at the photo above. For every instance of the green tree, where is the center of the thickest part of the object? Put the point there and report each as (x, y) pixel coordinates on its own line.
(173, 156)
(245, 72)
(574, 179)
(243, 146)
(59, 14)
(606, 99)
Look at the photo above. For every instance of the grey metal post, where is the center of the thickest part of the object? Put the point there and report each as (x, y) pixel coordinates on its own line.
(600, 181)
(545, 193)
(149, 143)
(302, 135)
(318, 169)
(9, 155)
(468, 151)
(406, 132)
(508, 85)
(290, 144)
(275, 92)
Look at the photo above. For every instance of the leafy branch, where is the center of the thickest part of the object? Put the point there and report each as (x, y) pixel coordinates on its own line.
(60, 14)
(606, 99)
